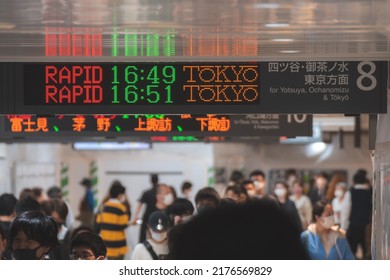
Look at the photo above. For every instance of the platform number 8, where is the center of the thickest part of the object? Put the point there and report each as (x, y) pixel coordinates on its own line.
(366, 76)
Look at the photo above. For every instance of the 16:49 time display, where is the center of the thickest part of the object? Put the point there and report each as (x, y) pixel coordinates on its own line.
(153, 85)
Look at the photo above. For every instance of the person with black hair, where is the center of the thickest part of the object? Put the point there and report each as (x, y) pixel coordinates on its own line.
(236, 193)
(186, 189)
(180, 211)
(7, 214)
(250, 188)
(27, 204)
(87, 204)
(112, 222)
(258, 178)
(58, 210)
(319, 189)
(206, 198)
(55, 192)
(32, 235)
(26, 192)
(39, 194)
(88, 246)
(360, 215)
(236, 178)
(321, 240)
(281, 191)
(256, 230)
(156, 245)
(7, 211)
(148, 198)
(80, 229)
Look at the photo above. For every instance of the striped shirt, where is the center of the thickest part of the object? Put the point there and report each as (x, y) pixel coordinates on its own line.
(113, 222)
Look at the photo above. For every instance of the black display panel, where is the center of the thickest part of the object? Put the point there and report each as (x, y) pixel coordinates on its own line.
(299, 87)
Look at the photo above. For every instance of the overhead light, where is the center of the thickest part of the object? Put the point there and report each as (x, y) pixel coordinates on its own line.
(290, 52)
(283, 40)
(109, 146)
(266, 6)
(335, 123)
(6, 25)
(315, 149)
(276, 25)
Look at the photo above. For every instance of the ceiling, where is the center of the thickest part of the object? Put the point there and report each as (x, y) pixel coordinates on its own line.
(201, 30)
(42, 30)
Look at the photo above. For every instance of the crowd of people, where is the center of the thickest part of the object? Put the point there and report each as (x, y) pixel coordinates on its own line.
(247, 220)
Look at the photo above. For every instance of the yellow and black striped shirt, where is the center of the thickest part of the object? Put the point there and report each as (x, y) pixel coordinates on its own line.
(112, 222)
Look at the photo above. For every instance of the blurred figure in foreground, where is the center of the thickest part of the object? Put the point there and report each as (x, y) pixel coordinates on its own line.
(256, 230)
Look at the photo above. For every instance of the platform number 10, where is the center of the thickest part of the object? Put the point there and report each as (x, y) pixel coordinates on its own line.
(296, 118)
(370, 81)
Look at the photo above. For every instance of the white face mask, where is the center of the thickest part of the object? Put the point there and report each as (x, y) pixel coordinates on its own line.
(338, 193)
(251, 193)
(327, 222)
(280, 192)
(259, 185)
(168, 199)
(158, 236)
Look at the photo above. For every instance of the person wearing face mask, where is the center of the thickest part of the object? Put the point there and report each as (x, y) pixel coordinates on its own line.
(250, 188)
(322, 240)
(258, 178)
(164, 197)
(341, 205)
(112, 222)
(206, 199)
(156, 245)
(282, 195)
(32, 235)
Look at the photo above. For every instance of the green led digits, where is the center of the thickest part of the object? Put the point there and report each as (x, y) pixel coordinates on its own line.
(152, 93)
(149, 84)
(131, 76)
(153, 76)
(170, 73)
(131, 95)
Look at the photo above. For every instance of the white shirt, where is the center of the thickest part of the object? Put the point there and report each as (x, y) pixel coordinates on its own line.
(62, 233)
(342, 209)
(304, 207)
(141, 253)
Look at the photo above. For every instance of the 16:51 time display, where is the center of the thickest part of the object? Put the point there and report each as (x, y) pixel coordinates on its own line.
(131, 84)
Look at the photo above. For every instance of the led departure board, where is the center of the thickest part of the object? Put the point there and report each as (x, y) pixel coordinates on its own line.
(280, 87)
(157, 125)
(141, 85)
